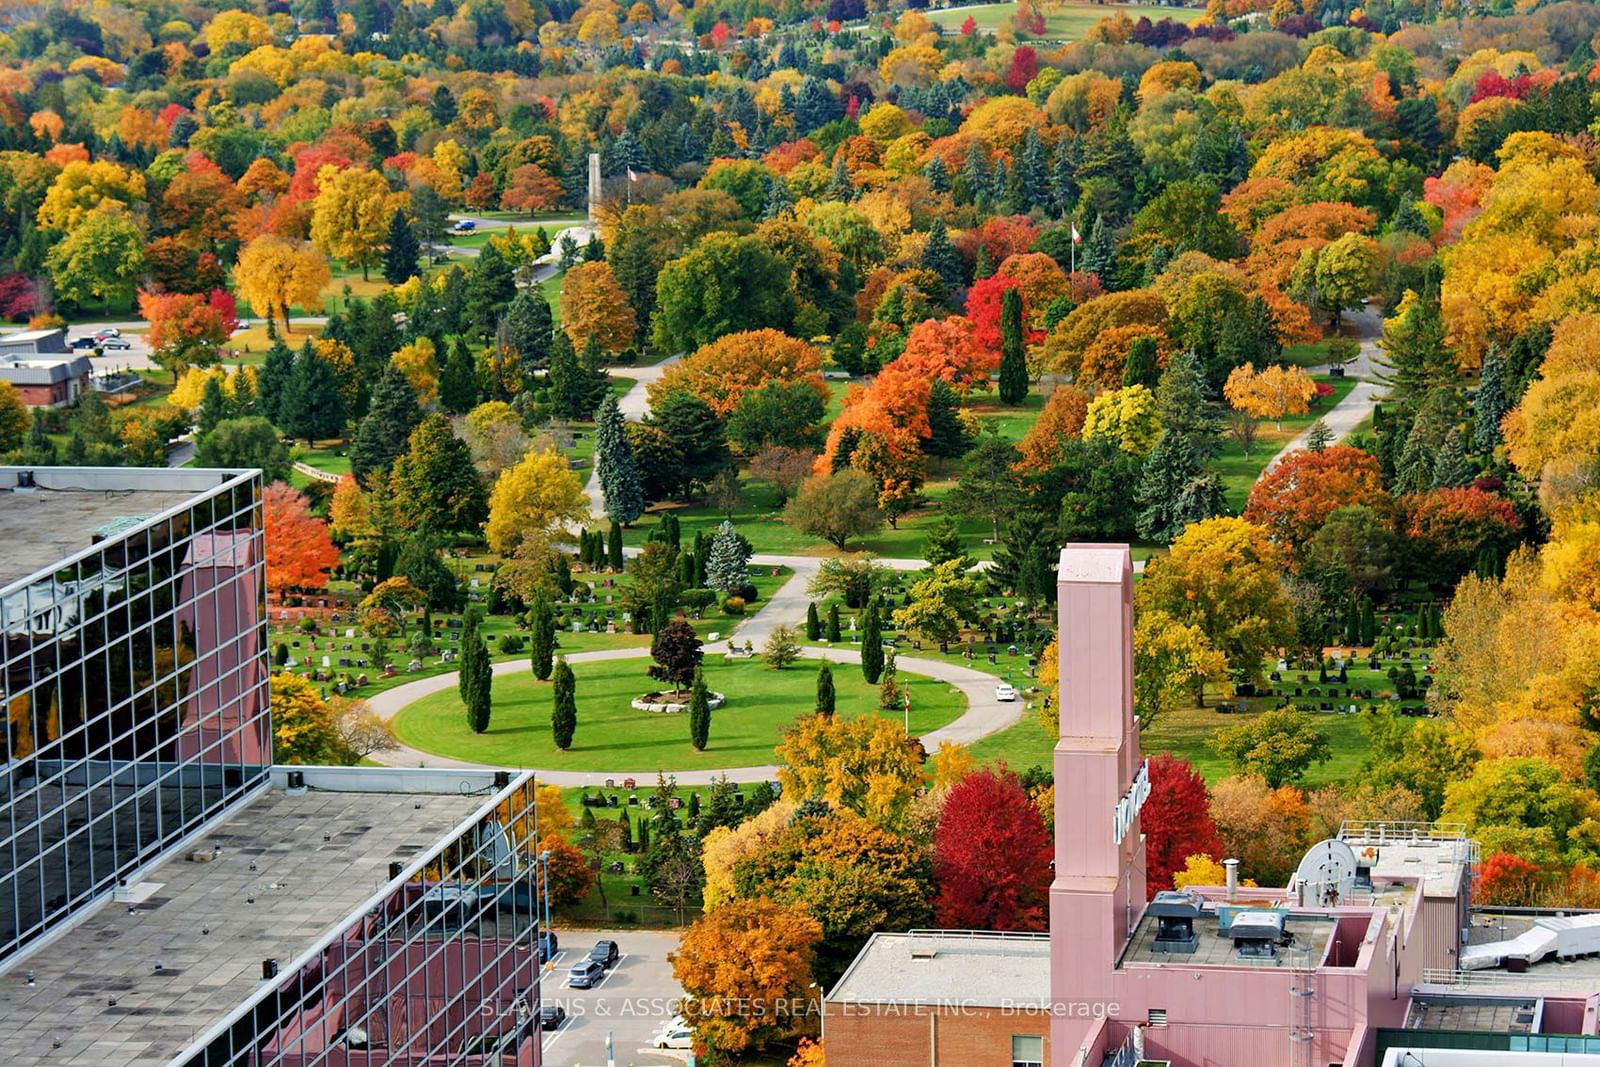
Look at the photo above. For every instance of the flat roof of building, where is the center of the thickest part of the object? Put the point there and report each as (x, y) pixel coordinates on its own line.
(60, 516)
(1213, 948)
(1437, 864)
(1508, 1014)
(949, 967)
(134, 988)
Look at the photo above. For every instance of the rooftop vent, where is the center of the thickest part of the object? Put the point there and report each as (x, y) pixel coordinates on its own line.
(1258, 933)
(923, 951)
(1175, 914)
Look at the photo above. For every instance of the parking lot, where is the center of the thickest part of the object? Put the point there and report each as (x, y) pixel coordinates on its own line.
(631, 1003)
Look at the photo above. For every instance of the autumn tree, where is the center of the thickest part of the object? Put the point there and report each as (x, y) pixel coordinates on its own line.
(1176, 820)
(1447, 529)
(530, 188)
(1059, 422)
(1293, 499)
(594, 306)
(436, 485)
(1265, 829)
(946, 349)
(991, 856)
(723, 371)
(675, 650)
(743, 968)
(1338, 275)
(102, 258)
(275, 274)
(350, 219)
(188, 330)
(1223, 575)
(303, 727)
(866, 765)
(299, 550)
(1173, 663)
(538, 498)
(1271, 393)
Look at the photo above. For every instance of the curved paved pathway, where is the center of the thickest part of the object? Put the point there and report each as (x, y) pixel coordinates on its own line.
(984, 715)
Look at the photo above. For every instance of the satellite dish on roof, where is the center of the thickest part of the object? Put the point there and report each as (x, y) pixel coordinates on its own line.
(1326, 875)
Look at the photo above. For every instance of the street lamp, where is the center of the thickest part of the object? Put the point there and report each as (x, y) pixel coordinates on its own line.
(544, 881)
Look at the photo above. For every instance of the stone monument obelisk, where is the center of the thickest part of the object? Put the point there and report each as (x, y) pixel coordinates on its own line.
(594, 185)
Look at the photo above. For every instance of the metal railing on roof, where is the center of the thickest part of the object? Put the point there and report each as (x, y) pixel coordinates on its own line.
(1528, 980)
(975, 934)
(1378, 832)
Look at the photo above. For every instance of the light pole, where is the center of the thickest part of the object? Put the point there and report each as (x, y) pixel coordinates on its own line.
(544, 882)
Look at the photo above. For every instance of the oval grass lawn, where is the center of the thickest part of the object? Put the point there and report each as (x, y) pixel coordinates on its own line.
(611, 736)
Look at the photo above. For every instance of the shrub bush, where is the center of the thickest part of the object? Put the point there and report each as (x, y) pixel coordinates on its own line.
(510, 644)
(698, 599)
(734, 605)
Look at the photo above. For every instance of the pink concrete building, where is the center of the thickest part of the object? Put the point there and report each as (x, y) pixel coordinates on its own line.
(1362, 959)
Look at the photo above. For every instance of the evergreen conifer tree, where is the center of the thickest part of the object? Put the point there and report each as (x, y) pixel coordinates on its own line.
(1451, 468)
(948, 436)
(480, 705)
(832, 633)
(1013, 357)
(941, 257)
(313, 406)
(1142, 367)
(400, 259)
(982, 264)
(1489, 402)
(943, 544)
(272, 385)
(1175, 490)
(614, 546)
(1319, 437)
(699, 712)
(1099, 252)
(564, 710)
(872, 646)
(458, 380)
(542, 632)
(615, 465)
(813, 622)
(825, 693)
(383, 434)
(728, 562)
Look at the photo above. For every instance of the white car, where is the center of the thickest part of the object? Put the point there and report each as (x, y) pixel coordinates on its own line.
(675, 1034)
(1005, 692)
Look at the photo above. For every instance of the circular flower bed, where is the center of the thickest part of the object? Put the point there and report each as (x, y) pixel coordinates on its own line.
(669, 704)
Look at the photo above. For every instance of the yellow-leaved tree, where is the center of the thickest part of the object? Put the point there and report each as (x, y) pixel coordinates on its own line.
(725, 846)
(537, 497)
(350, 218)
(1270, 393)
(275, 274)
(866, 765)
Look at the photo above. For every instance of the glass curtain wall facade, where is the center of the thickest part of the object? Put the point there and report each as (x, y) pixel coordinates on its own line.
(442, 967)
(134, 684)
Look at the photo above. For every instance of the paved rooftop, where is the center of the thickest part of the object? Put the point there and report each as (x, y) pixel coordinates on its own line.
(933, 967)
(1489, 1014)
(134, 988)
(43, 527)
(1216, 949)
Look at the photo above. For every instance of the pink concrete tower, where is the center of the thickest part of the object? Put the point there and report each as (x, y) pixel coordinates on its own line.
(1099, 887)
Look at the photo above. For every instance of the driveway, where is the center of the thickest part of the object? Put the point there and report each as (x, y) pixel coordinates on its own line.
(636, 998)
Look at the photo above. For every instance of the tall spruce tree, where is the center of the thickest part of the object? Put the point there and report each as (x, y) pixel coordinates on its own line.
(384, 433)
(728, 561)
(832, 633)
(465, 677)
(542, 633)
(1489, 402)
(272, 385)
(941, 257)
(564, 708)
(458, 380)
(699, 712)
(400, 258)
(614, 546)
(313, 406)
(529, 326)
(825, 694)
(1013, 356)
(872, 646)
(1175, 489)
(813, 622)
(1099, 252)
(480, 705)
(615, 465)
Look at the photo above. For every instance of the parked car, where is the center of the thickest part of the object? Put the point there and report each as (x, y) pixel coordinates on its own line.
(675, 1034)
(551, 1016)
(107, 331)
(1005, 692)
(585, 973)
(464, 226)
(549, 945)
(115, 344)
(605, 953)
(80, 344)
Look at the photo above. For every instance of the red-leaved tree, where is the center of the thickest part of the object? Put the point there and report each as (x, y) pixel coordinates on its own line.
(983, 311)
(299, 550)
(1447, 528)
(1507, 880)
(1296, 497)
(991, 856)
(1176, 820)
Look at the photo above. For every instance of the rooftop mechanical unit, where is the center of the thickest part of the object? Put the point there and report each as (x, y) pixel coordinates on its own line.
(1258, 933)
(1175, 914)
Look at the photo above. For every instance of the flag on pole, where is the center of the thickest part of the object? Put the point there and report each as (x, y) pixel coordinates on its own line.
(632, 177)
(1077, 238)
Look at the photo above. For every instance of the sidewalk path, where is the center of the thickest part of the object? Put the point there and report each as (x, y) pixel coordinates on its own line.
(985, 715)
(1342, 418)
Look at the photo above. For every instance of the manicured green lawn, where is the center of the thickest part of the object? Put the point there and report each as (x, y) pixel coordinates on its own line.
(1063, 21)
(611, 735)
(334, 460)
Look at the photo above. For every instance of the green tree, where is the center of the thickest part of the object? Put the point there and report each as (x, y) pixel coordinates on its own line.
(728, 560)
(948, 435)
(564, 710)
(576, 385)
(491, 285)
(825, 693)
(941, 257)
(943, 544)
(614, 546)
(615, 465)
(1141, 367)
(102, 258)
(384, 433)
(1338, 275)
(248, 442)
(988, 487)
(1013, 355)
(813, 623)
(480, 704)
(872, 645)
(699, 712)
(696, 436)
(836, 507)
(1175, 489)
(272, 382)
(776, 413)
(403, 252)
(781, 648)
(214, 404)
(940, 603)
(436, 485)
(313, 407)
(832, 633)
(724, 284)
(542, 637)
(458, 380)
(1278, 746)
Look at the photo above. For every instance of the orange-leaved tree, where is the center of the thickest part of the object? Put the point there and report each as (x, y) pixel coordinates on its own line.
(1295, 498)
(594, 305)
(1270, 393)
(299, 550)
(1061, 420)
(187, 329)
(947, 349)
(722, 372)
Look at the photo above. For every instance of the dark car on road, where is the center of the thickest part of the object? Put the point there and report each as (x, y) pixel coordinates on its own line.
(605, 953)
(549, 945)
(551, 1016)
